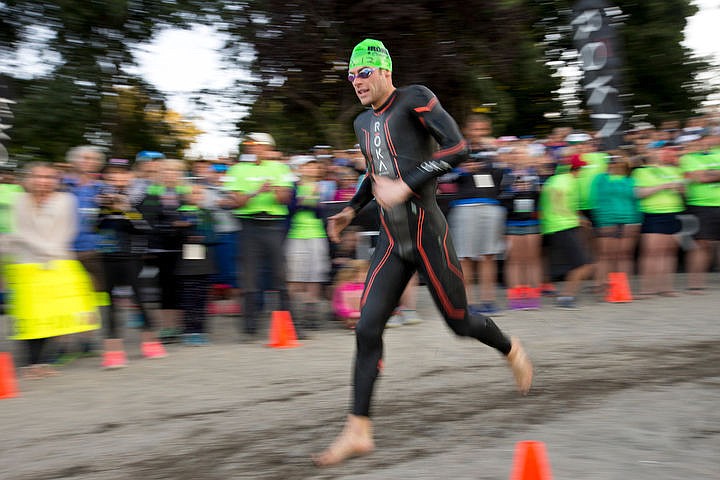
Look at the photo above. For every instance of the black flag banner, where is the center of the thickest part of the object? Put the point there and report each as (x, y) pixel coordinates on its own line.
(594, 38)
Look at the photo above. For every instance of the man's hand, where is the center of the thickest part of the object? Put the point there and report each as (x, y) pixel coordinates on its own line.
(390, 192)
(338, 222)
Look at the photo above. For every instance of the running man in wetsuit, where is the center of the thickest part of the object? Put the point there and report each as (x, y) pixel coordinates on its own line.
(399, 138)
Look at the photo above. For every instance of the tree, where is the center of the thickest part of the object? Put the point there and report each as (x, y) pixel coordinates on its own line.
(472, 54)
(93, 41)
(500, 56)
(140, 121)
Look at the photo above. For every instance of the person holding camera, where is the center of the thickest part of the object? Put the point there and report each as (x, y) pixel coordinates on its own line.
(122, 230)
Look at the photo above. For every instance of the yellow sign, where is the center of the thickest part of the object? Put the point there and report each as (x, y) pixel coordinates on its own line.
(50, 299)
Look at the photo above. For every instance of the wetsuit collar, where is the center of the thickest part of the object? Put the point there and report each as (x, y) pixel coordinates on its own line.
(387, 102)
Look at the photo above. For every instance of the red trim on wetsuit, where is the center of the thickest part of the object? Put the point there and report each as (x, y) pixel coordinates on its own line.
(456, 313)
(451, 151)
(380, 264)
(393, 152)
(389, 102)
(447, 256)
(391, 146)
(427, 108)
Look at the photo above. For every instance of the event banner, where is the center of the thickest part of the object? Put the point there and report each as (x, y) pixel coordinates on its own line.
(595, 39)
(47, 300)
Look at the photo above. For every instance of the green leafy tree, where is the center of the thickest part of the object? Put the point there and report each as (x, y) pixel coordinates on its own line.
(93, 41)
(476, 54)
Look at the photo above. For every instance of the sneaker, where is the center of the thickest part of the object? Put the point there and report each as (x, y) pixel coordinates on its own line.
(487, 308)
(566, 303)
(474, 309)
(114, 360)
(548, 290)
(169, 335)
(410, 317)
(395, 321)
(66, 358)
(153, 350)
(533, 303)
(195, 340)
(135, 320)
(521, 366)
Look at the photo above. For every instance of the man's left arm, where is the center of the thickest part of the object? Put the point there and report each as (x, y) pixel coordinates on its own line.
(445, 131)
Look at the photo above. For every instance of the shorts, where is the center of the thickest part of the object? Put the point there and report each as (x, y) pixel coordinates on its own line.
(477, 229)
(613, 231)
(522, 229)
(567, 251)
(709, 218)
(308, 260)
(590, 215)
(93, 263)
(663, 223)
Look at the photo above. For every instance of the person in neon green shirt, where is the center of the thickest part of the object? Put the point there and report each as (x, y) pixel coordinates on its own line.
(597, 163)
(8, 192)
(560, 223)
(659, 186)
(308, 252)
(701, 168)
(263, 190)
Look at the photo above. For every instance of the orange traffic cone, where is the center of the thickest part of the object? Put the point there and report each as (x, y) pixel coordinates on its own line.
(530, 462)
(618, 288)
(282, 331)
(8, 383)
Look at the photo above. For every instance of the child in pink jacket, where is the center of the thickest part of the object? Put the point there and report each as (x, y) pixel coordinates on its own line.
(348, 292)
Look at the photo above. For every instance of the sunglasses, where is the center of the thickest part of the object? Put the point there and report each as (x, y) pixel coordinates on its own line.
(364, 73)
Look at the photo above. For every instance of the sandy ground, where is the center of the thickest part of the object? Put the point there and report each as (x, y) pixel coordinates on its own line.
(622, 391)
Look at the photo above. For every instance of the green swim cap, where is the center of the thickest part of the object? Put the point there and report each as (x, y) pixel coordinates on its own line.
(370, 53)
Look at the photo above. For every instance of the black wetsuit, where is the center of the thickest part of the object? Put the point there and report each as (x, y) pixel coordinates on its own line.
(400, 140)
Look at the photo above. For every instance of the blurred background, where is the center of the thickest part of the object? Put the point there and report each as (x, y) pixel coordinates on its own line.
(186, 78)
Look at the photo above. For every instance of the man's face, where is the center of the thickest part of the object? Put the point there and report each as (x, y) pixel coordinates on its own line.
(43, 180)
(311, 169)
(374, 89)
(476, 131)
(88, 162)
(150, 169)
(262, 151)
(670, 155)
(201, 169)
(118, 177)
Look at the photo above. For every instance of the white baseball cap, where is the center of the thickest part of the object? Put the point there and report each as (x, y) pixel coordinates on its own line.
(259, 138)
(299, 160)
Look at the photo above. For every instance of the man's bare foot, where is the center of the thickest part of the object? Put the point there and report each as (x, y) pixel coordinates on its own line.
(521, 366)
(354, 441)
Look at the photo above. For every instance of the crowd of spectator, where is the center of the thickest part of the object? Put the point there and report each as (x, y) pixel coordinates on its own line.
(544, 209)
